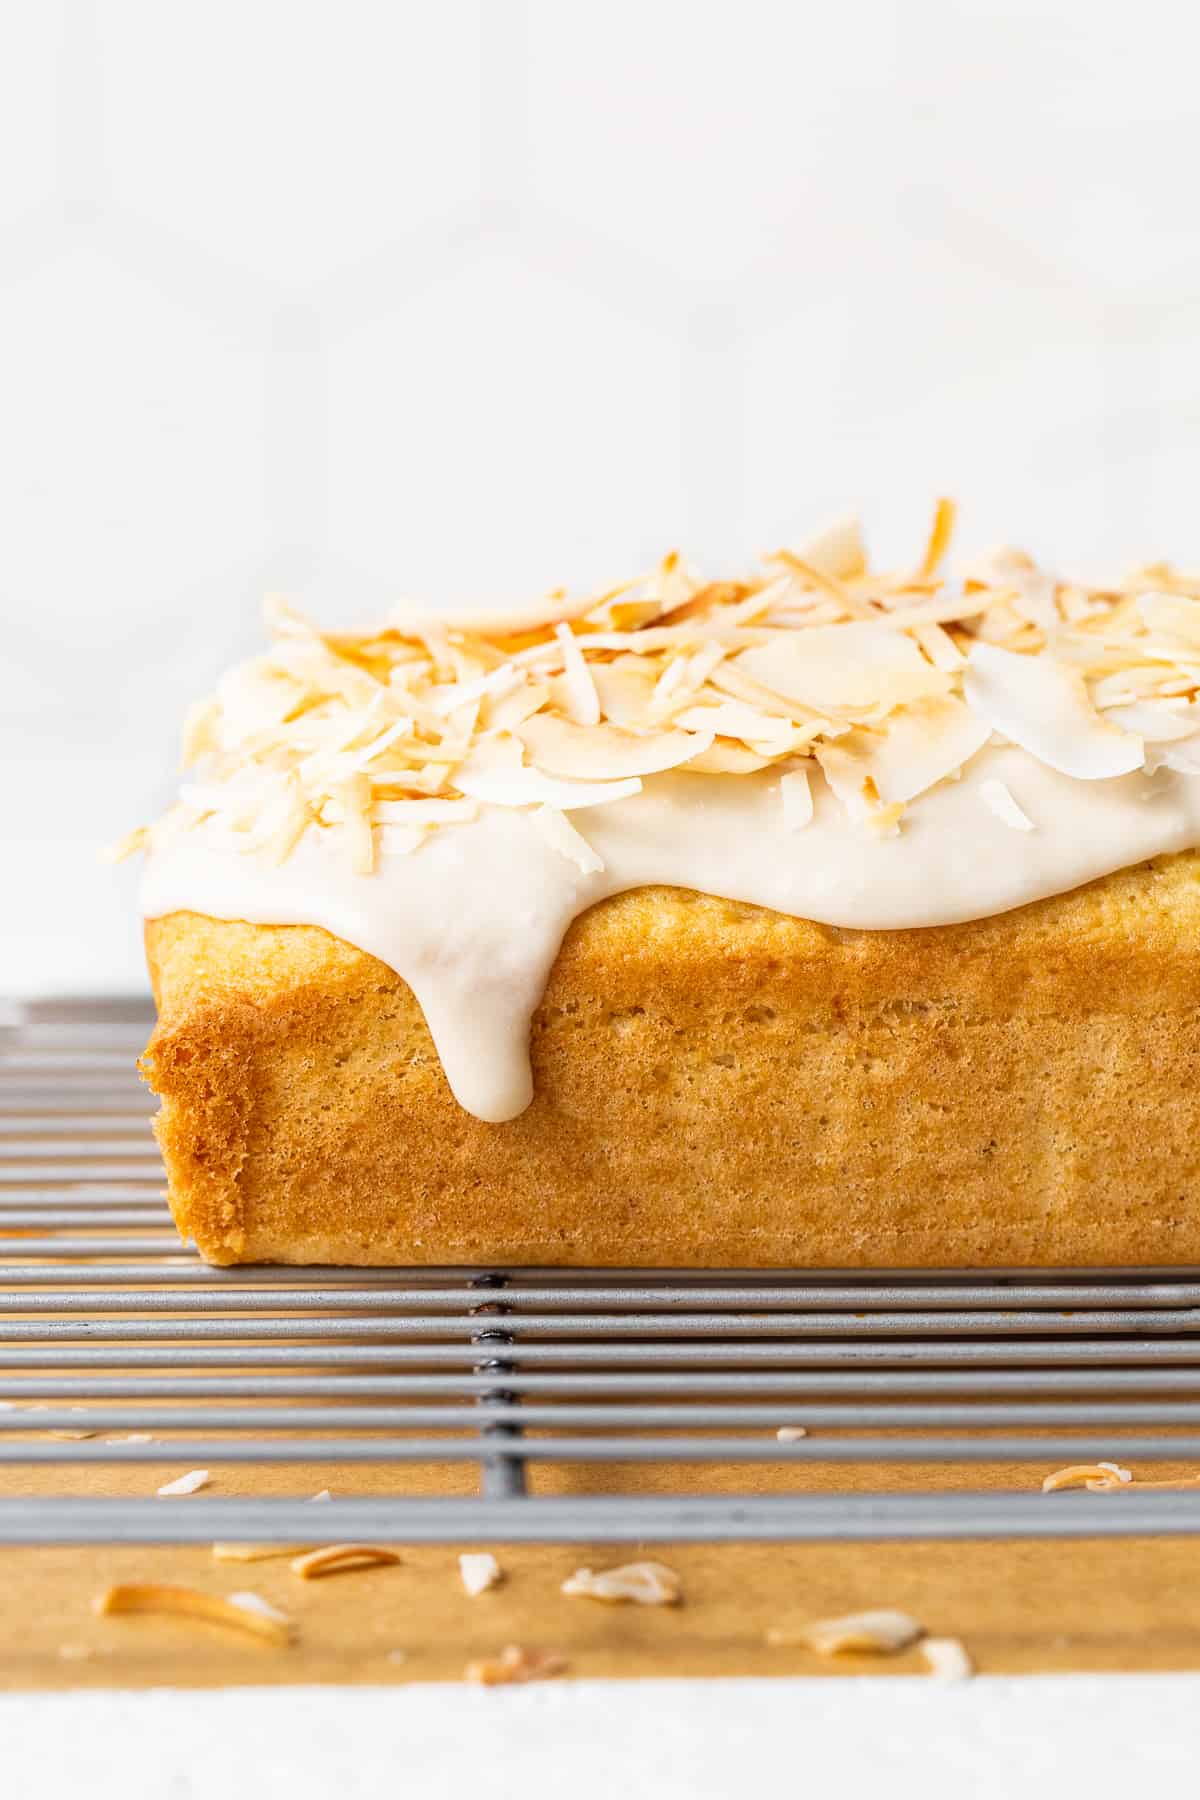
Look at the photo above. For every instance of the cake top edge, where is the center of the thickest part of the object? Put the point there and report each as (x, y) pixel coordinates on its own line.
(884, 683)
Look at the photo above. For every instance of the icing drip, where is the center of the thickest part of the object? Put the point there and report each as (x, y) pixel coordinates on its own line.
(474, 918)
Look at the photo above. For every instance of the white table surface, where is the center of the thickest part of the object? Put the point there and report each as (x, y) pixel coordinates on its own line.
(994, 1738)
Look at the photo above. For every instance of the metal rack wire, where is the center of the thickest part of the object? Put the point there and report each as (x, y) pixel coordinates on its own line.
(512, 1371)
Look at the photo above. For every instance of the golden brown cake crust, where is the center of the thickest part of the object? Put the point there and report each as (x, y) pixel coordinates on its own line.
(716, 1086)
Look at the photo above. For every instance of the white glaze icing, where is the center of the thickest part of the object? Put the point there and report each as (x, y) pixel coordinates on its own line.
(473, 920)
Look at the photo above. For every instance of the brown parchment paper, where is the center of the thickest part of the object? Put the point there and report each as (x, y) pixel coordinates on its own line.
(1019, 1607)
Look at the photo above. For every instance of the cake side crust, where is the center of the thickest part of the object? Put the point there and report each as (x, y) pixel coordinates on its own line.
(715, 1085)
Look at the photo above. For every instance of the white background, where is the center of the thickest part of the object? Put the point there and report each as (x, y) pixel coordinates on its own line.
(463, 299)
(853, 1738)
(363, 299)
(468, 298)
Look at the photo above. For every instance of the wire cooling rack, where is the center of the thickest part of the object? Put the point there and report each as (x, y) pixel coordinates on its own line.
(104, 1313)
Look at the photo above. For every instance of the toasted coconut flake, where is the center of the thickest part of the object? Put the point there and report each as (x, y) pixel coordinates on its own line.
(947, 1659)
(517, 621)
(340, 736)
(1043, 706)
(808, 574)
(1155, 722)
(558, 830)
(355, 798)
(726, 758)
(191, 1483)
(796, 794)
(247, 1553)
(506, 711)
(516, 1664)
(200, 733)
(495, 774)
(734, 719)
(1128, 1486)
(583, 702)
(340, 1559)
(924, 744)
(479, 1571)
(859, 668)
(190, 1603)
(134, 841)
(998, 799)
(1096, 1476)
(421, 813)
(256, 1604)
(626, 691)
(940, 648)
(589, 753)
(643, 1583)
(838, 550)
(1173, 615)
(940, 533)
(874, 1633)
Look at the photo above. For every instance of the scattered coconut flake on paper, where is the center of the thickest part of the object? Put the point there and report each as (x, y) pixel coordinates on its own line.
(947, 1659)
(256, 1604)
(875, 1633)
(191, 1483)
(515, 1664)
(192, 1603)
(342, 1559)
(644, 1583)
(1097, 1477)
(479, 1571)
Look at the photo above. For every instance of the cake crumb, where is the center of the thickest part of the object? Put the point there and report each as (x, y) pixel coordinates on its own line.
(645, 1583)
(879, 1633)
(479, 1572)
(514, 1664)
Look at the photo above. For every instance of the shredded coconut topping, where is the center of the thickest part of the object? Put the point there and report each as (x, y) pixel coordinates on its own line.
(885, 683)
